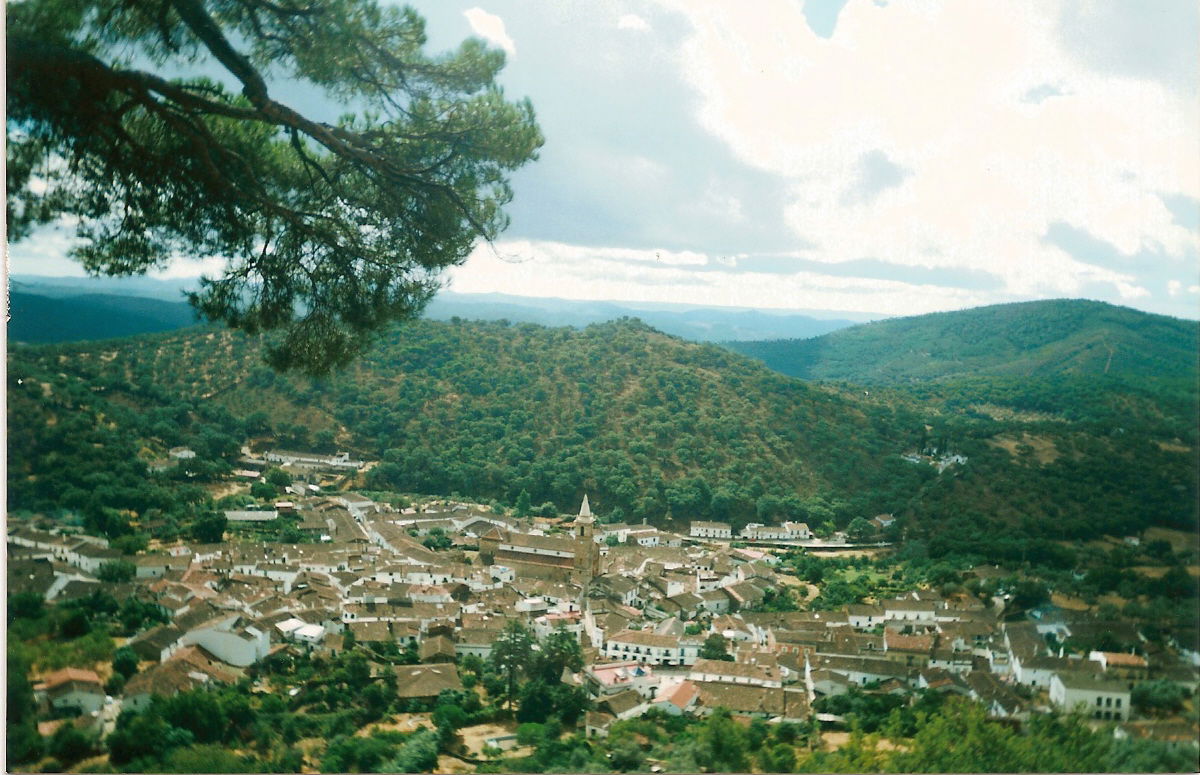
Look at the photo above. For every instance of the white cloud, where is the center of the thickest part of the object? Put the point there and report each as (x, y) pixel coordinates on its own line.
(181, 268)
(631, 21)
(490, 27)
(46, 253)
(940, 90)
(1174, 287)
(717, 204)
(559, 270)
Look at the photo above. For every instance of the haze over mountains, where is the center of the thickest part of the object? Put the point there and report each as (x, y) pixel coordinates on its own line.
(89, 308)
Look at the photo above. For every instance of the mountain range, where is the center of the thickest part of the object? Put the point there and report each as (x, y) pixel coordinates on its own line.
(35, 318)
(1028, 339)
(64, 309)
(648, 425)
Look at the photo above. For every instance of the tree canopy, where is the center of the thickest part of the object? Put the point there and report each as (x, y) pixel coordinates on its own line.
(329, 230)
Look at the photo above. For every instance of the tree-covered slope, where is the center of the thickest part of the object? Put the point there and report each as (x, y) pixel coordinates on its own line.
(40, 319)
(1038, 338)
(648, 425)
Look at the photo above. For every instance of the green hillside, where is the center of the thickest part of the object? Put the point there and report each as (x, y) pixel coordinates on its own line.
(40, 319)
(1038, 338)
(648, 425)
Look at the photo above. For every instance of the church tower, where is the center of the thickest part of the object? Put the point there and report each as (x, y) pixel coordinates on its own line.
(587, 554)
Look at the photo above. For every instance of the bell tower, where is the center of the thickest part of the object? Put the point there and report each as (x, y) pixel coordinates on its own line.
(587, 554)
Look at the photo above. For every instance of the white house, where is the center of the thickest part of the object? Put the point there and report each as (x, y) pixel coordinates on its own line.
(266, 515)
(73, 688)
(757, 531)
(652, 649)
(608, 679)
(89, 557)
(797, 531)
(288, 627)
(860, 670)
(721, 671)
(309, 634)
(788, 531)
(1038, 670)
(864, 616)
(677, 698)
(230, 639)
(710, 530)
(1098, 698)
(357, 504)
(475, 641)
(909, 610)
(715, 601)
(340, 460)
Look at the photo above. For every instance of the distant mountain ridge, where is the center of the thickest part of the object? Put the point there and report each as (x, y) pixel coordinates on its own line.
(37, 319)
(1037, 338)
(701, 324)
(93, 302)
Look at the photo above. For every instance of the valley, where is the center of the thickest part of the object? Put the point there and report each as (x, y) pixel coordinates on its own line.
(370, 531)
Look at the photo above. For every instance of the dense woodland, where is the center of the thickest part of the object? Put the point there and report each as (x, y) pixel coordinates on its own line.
(651, 426)
(1037, 338)
(36, 319)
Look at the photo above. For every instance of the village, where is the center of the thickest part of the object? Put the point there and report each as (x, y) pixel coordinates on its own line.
(666, 622)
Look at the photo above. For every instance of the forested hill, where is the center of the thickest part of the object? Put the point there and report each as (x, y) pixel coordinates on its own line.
(648, 425)
(34, 318)
(1037, 338)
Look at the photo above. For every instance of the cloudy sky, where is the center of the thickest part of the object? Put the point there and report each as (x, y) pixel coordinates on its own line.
(864, 156)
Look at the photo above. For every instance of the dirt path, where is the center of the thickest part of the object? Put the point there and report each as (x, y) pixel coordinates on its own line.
(401, 722)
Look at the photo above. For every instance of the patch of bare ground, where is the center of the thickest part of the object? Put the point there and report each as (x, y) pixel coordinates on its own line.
(811, 590)
(474, 737)
(309, 747)
(1158, 571)
(850, 552)
(220, 490)
(401, 722)
(450, 764)
(1008, 413)
(831, 741)
(1173, 446)
(1069, 603)
(1044, 451)
(1180, 540)
(1103, 543)
(93, 764)
(632, 385)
